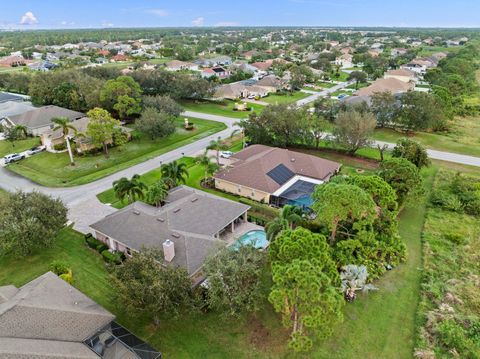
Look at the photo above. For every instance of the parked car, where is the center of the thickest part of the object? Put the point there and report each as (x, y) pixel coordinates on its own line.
(226, 154)
(13, 157)
(343, 95)
(35, 150)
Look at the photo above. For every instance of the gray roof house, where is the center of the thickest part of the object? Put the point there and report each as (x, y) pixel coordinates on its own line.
(48, 318)
(13, 108)
(39, 120)
(190, 226)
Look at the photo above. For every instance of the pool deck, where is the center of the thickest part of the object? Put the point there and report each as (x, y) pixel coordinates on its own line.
(240, 230)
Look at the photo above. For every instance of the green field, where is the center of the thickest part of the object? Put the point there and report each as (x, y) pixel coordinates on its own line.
(463, 137)
(7, 147)
(276, 99)
(54, 170)
(323, 84)
(451, 243)
(224, 108)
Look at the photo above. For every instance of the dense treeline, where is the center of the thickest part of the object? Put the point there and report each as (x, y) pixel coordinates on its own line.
(80, 89)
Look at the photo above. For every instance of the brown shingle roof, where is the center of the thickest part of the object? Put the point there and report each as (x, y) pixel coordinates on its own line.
(43, 116)
(254, 162)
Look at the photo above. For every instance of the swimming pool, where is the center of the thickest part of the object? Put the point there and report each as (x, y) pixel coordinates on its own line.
(257, 238)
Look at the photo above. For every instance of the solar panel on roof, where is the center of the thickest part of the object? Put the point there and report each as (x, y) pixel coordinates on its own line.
(280, 174)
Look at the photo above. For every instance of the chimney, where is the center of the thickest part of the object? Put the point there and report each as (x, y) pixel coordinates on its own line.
(168, 250)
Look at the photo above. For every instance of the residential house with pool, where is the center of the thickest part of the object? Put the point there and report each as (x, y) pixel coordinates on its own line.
(190, 226)
(275, 176)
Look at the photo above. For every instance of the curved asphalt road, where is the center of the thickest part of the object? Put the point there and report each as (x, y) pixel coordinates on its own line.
(85, 209)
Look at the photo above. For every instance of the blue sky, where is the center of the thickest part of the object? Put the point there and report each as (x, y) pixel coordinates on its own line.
(158, 13)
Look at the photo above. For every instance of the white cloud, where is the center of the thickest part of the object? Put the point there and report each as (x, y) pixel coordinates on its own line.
(226, 23)
(67, 23)
(28, 19)
(107, 24)
(157, 12)
(199, 21)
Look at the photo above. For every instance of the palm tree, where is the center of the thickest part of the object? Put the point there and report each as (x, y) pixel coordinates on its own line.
(241, 131)
(176, 171)
(218, 146)
(64, 124)
(157, 193)
(290, 216)
(206, 161)
(129, 188)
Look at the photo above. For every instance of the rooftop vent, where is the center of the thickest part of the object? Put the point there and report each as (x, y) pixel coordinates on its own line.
(136, 212)
(176, 210)
(175, 235)
(292, 160)
(160, 219)
(194, 199)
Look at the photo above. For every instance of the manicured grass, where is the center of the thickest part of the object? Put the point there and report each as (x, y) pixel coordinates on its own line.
(53, 170)
(463, 137)
(360, 85)
(18, 146)
(323, 84)
(382, 323)
(275, 99)
(343, 76)
(224, 108)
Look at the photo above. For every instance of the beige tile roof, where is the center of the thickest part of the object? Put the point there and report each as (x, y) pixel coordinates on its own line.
(254, 162)
(392, 85)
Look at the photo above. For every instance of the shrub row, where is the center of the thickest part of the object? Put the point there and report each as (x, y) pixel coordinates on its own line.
(115, 257)
(100, 247)
(260, 208)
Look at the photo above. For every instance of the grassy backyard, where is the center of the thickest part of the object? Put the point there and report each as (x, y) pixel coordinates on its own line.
(53, 169)
(463, 137)
(275, 99)
(224, 108)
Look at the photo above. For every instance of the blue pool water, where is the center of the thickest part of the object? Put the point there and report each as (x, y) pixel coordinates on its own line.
(256, 238)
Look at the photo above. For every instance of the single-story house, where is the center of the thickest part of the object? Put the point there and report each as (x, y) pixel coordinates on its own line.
(48, 318)
(215, 61)
(402, 75)
(217, 71)
(13, 61)
(8, 96)
(119, 58)
(273, 83)
(345, 60)
(392, 85)
(39, 120)
(190, 226)
(51, 138)
(176, 65)
(13, 108)
(242, 89)
(41, 66)
(274, 175)
(262, 65)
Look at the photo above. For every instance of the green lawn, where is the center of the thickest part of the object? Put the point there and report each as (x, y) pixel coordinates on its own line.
(463, 137)
(53, 170)
(323, 84)
(343, 76)
(7, 147)
(275, 99)
(360, 85)
(224, 108)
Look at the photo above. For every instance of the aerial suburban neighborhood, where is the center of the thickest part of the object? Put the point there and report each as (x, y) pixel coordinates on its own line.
(239, 189)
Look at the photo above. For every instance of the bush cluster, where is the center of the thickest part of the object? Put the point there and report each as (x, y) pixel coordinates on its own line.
(461, 195)
(62, 269)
